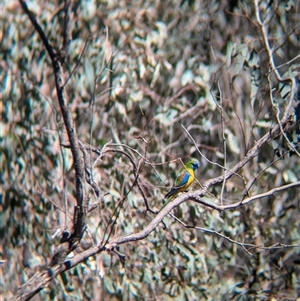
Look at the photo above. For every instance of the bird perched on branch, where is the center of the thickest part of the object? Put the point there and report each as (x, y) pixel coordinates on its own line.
(185, 178)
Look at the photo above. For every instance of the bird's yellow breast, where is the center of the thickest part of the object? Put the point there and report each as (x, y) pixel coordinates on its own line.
(191, 178)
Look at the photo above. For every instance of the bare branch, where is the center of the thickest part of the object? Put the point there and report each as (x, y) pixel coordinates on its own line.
(80, 210)
(273, 68)
(36, 283)
(89, 171)
(243, 245)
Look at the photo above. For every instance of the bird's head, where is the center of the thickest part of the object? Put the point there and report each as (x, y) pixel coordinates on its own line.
(193, 163)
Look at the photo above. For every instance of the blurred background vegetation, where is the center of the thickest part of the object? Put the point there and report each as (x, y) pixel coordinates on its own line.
(163, 80)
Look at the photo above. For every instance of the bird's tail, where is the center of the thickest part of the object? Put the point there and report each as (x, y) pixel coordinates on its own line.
(171, 193)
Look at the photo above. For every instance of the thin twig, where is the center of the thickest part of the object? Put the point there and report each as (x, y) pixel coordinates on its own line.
(275, 71)
(202, 155)
(243, 245)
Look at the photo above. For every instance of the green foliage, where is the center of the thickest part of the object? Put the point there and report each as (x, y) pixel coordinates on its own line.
(140, 73)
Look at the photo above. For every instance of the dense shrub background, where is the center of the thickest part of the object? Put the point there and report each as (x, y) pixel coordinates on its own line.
(162, 80)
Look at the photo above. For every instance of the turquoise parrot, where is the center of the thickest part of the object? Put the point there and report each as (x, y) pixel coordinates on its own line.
(185, 178)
